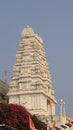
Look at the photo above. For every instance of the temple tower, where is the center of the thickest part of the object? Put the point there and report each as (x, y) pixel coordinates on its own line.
(31, 84)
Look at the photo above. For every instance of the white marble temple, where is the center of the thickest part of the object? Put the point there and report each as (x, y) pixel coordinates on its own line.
(31, 83)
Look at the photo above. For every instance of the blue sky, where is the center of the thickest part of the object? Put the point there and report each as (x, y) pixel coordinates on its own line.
(53, 21)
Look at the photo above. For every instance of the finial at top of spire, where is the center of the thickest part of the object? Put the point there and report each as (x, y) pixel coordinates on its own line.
(28, 26)
(28, 31)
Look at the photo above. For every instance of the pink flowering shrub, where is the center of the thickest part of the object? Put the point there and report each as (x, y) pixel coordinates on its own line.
(18, 117)
(14, 115)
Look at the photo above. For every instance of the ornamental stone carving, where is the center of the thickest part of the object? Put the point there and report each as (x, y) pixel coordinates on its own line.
(31, 77)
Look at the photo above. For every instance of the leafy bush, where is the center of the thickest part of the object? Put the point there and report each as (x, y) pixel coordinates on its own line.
(18, 117)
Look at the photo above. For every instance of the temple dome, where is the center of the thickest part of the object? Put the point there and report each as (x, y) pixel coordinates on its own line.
(26, 32)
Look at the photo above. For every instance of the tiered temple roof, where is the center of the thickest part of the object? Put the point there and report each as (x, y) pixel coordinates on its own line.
(31, 83)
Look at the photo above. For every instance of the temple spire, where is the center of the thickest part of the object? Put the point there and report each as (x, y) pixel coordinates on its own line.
(31, 79)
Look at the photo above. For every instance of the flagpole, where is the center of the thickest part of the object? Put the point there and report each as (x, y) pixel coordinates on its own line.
(61, 105)
(64, 112)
